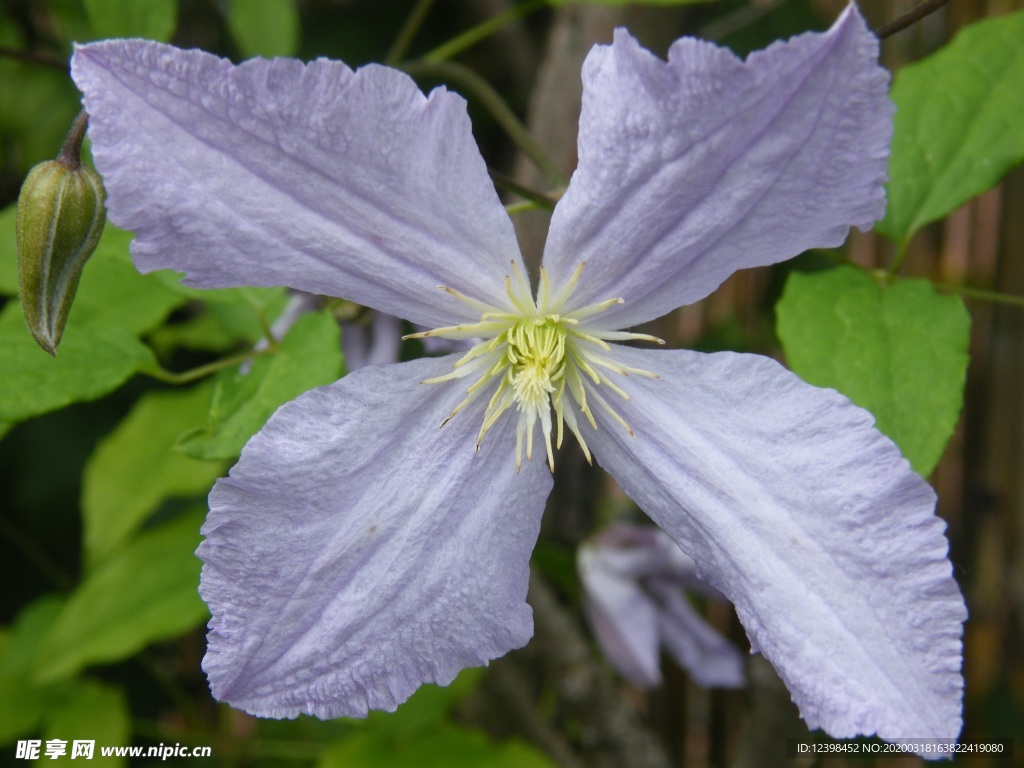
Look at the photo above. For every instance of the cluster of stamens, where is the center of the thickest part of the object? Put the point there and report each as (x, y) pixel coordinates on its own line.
(538, 353)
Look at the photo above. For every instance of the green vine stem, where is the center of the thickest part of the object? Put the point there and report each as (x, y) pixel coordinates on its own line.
(464, 77)
(412, 25)
(485, 29)
(534, 198)
(897, 263)
(522, 207)
(981, 293)
(160, 373)
(885, 277)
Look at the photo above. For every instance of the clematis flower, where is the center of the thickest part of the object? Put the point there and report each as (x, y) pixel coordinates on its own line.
(375, 535)
(632, 578)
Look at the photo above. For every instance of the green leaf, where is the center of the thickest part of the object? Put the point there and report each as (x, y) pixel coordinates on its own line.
(958, 126)
(100, 349)
(204, 331)
(241, 311)
(143, 593)
(308, 356)
(22, 703)
(420, 735)
(135, 468)
(264, 27)
(94, 712)
(899, 351)
(152, 19)
(425, 710)
(91, 362)
(113, 293)
(255, 298)
(445, 746)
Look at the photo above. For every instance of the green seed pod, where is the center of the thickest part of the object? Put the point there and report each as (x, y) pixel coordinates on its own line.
(59, 223)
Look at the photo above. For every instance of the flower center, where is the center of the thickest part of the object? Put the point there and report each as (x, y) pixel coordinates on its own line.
(536, 359)
(538, 353)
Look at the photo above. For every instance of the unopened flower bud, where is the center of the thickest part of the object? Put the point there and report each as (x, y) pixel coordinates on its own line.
(60, 219)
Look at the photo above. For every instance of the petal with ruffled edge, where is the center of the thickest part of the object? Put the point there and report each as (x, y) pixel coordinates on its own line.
(351, 184)
(357, 550)
(692, 169)
(810, 521)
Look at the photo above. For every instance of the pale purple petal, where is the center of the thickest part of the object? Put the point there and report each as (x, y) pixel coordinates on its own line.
(623, 618)
(808, 519)
(643, 551)
(692, 169)
(708, 658)
(358, 550)
(306, 175)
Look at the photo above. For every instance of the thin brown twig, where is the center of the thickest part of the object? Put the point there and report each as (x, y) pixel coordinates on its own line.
(44, 58)
(464, 77)
(912, 17)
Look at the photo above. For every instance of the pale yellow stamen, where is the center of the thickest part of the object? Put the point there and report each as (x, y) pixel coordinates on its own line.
(538, 352)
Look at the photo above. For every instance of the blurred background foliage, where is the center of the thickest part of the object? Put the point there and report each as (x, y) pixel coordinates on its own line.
(106, 455)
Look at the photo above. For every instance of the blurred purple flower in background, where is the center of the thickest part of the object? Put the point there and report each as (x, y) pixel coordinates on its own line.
(356, 550)
(377, 342)
(633, 579)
